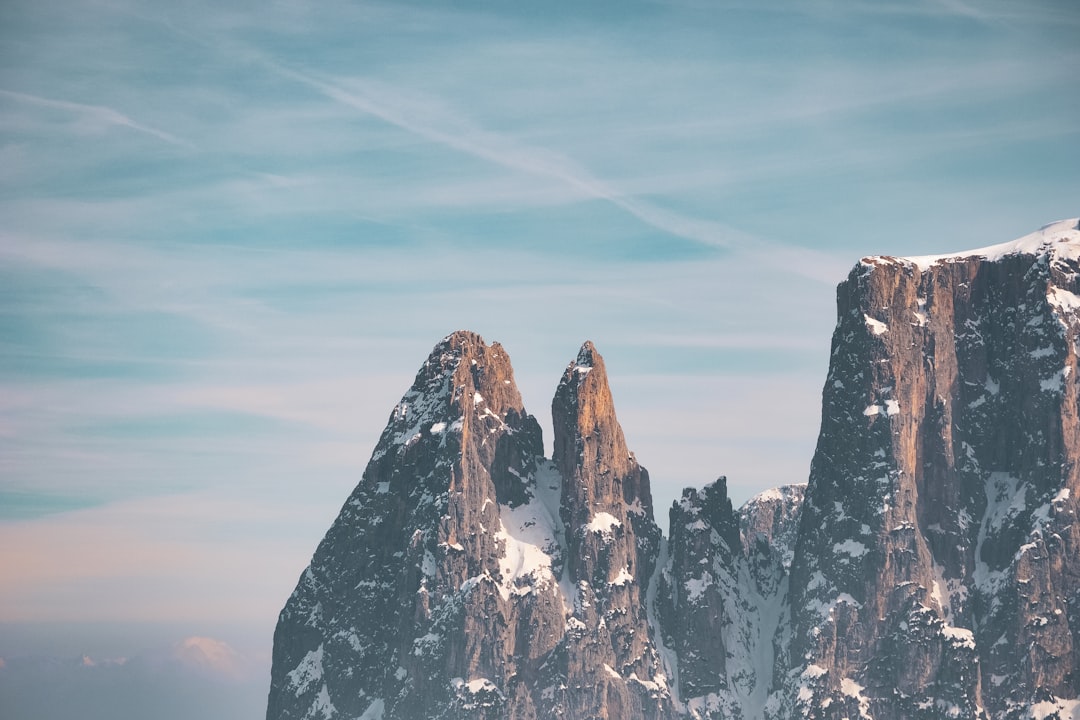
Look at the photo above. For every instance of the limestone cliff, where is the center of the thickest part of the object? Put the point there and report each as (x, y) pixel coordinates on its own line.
(937, 570)
(464, 578)
(929, 569)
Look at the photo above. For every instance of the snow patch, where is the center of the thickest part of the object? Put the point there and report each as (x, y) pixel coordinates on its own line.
(669, 660)
(696, 587)
(1063, 300)
(1060, 240)
(529, 534)
(1006, 498)
(308, 672)
(1065, 709)
(876, 327)
(374, 711)
(1053, 383)
(959, 636)
(321, 707)
(850, 547)
(602, 522)
(889, 408)
(852, 689)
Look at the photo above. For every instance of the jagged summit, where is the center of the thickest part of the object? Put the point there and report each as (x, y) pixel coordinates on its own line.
(1059, 240)
(612, 545)
(588, 435)
(938, 536)
(469, 576)
(930, 568)
(586, 357)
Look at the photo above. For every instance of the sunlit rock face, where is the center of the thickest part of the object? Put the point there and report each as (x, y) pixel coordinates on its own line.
(929, 569)
(469, 576)
(936, 569)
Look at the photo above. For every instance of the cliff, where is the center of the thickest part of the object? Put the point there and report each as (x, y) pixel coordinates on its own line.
(930, 567)
(936, 570)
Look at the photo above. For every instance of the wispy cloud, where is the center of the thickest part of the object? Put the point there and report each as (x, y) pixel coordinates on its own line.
(231, 325)
(433, 121)
(95, 118)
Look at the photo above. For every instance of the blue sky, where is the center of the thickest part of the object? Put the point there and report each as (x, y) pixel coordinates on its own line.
(231, 232)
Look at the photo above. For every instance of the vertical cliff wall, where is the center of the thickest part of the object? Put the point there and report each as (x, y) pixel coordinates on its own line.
(929, 569)
(936, 568)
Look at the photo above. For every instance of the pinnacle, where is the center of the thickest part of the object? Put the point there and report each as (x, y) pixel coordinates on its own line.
(586, 353)
(459, 339)
(587, 360)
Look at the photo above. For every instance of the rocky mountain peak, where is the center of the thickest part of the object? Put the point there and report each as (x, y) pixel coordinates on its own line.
(949, 443)
(770, 519)
(612, 544)
(590, 449)
(928, 569)
(465, 577)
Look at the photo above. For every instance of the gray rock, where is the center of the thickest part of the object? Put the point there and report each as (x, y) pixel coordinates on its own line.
(464, 578)
(929, 569)
(936, 570)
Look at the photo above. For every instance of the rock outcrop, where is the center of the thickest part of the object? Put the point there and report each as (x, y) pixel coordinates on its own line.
(937, 569)
(412, 603)
(468, 576)
(610, 667)
(722, 599)
(929, 569)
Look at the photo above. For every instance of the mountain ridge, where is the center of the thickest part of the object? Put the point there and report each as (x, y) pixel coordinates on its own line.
(470, 576)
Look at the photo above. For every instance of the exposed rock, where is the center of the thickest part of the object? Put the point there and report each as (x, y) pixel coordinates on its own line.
(435, 592)
(449, 587)
(936, 571)
(769, 526)
(929, 569)
(722, 599)
(611, 665)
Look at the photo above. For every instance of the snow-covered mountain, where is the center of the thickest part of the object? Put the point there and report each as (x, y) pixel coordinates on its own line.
(937, 569)
(930, 567)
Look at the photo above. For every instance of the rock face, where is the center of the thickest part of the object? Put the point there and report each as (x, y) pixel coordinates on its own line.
(608, 665)
(929, 569)
(937, 569)
(466, 578)
(722, 599)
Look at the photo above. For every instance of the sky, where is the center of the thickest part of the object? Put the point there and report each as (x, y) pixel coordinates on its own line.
(231, 232)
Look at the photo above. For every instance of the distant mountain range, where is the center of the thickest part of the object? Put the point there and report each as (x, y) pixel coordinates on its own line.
(930, 567)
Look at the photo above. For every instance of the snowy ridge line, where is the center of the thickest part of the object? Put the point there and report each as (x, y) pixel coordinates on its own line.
(1060, 240)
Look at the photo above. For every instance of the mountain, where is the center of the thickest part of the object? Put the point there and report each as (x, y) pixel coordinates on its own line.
(722, 598)
(930, 567)
(937, 569)
(469, 576)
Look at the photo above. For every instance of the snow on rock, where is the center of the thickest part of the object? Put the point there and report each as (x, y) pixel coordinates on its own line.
(530, 536)
(1056, 709)
(308, 672)
(850, 547)
(603, 522)
(930, 538)
(876, 327)
(1060, 240)
(374, 711)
